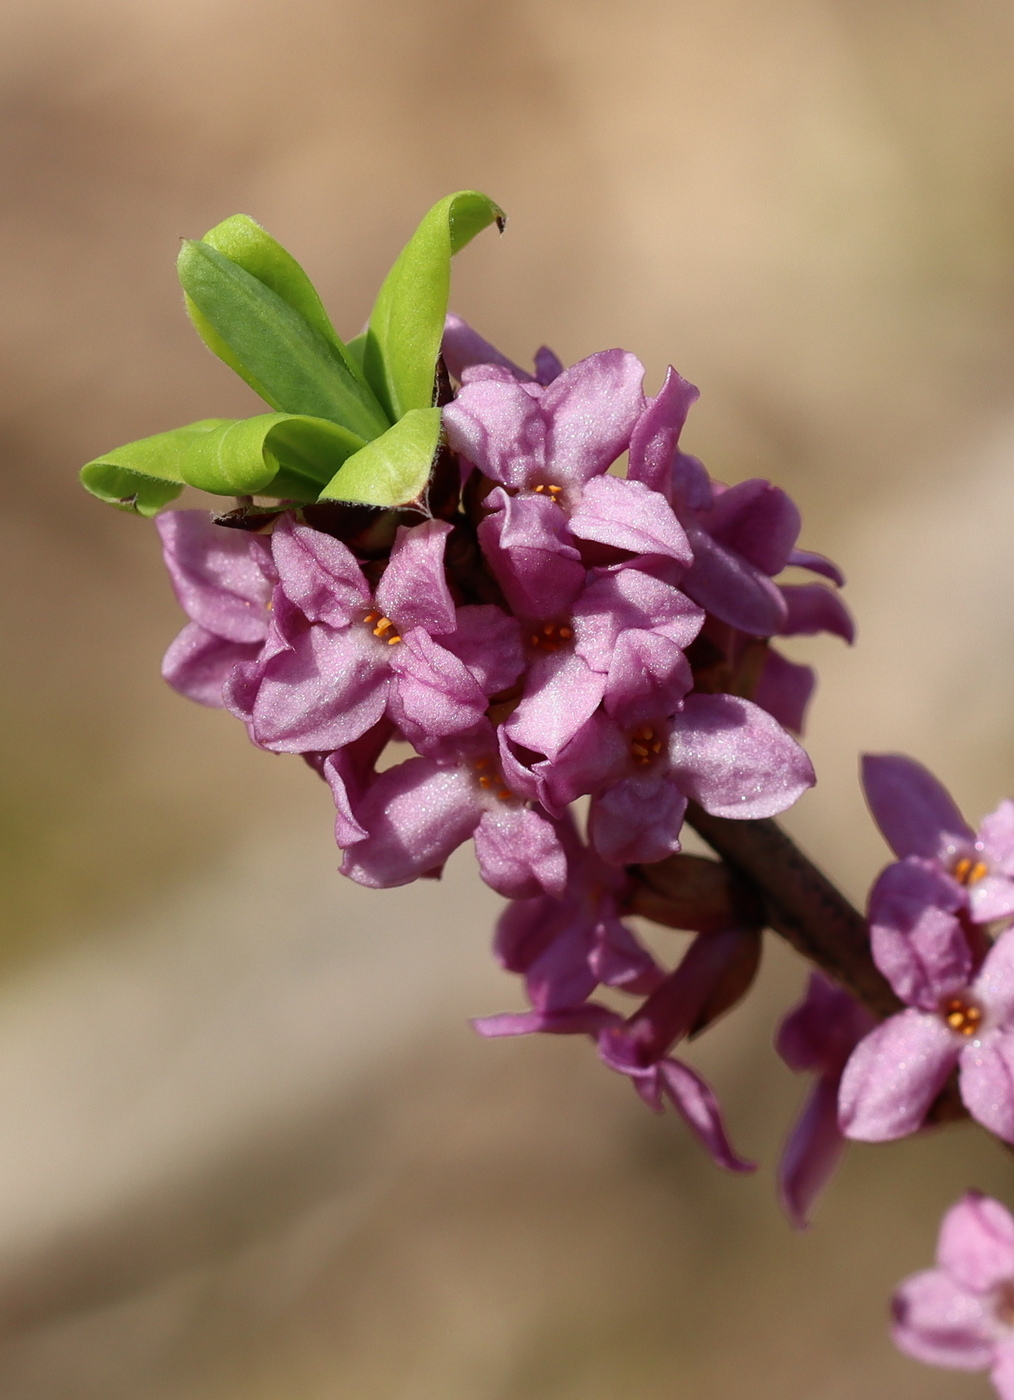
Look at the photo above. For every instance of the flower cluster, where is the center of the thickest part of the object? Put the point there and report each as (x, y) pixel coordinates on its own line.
(961, 1314)
(548, 632)
(932, 914)
(928, 916)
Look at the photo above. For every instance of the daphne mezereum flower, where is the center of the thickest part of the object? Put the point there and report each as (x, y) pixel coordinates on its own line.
(637, 1046)
(223, 581)
(724, 752)
(961, 1314)
(959, 1012)
(339, 654)
(415, 814)
(817, 1037)
(919, 819)
(568, 944)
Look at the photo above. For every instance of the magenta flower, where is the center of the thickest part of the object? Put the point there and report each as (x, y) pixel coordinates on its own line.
(741, 537)
(338, 655)
(223, 580)
(956, 1015)
(464, 349)
(725, 753)
(549, 448)
(417, 813)
(961, 1314)
(620, 644)
(567, 946)
(637, 1047)
(817, 1037)
(918, 818)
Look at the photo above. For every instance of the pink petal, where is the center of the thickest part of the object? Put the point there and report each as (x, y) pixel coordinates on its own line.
(937, 1321)
(784, 690)
(812, 608)
(994, 985)
(530, 550)
(654, 440)
(500, 428)
(812, 1152)
(648, 676)
(588, 1019)
(918, 943)
(697, 1105)
(915, 812)
(986, 1076)
(757, 520)
(734, 759)
(1002, 1371)
(628, 515)
(198, 663)
(413, 590)
(893, 1076)
(416, 814)
(591, 410)
(817, 564)
(561, 692)
(217, 574)
(548, 365)
(463, 347)
(519, 852)
(822, 1031)
(638, 820)
(630, 598)
(996, 833)
(319, 574)
(976, 1244)
(434, 694)
(488, 641)
(731, 588)
(327, 691)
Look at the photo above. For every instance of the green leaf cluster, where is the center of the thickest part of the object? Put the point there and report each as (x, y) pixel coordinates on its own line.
(352, 422)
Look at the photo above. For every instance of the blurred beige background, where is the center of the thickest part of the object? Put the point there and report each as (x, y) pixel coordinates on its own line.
(248, 1145)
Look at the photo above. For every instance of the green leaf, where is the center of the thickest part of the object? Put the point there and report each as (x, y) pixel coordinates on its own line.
(284, 357)
(275, 454)
(407, 322)
(393, 470)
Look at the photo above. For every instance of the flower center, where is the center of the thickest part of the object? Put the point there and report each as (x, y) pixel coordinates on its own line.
(962, 1015)
(490, 779)
(382, 627)
(551, 636)
(544, 489)
(969, 869)
(646, 743)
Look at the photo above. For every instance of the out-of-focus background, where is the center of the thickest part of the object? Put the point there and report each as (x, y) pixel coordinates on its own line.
(248, 1145)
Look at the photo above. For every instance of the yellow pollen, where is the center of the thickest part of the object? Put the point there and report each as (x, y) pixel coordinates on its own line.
(486, 781)
(968, 871)
(645, 744)
(961, 1015)
(551, 636)
(543, 489)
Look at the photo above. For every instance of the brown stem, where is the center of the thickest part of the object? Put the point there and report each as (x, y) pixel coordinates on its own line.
(803, 906)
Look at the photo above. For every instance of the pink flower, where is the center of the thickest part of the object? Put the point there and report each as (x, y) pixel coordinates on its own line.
(817, 1037)
(961, 1314)
(955, 1015)
(918, 818)
(637, 1047)
(223, 580)
(339, 655)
